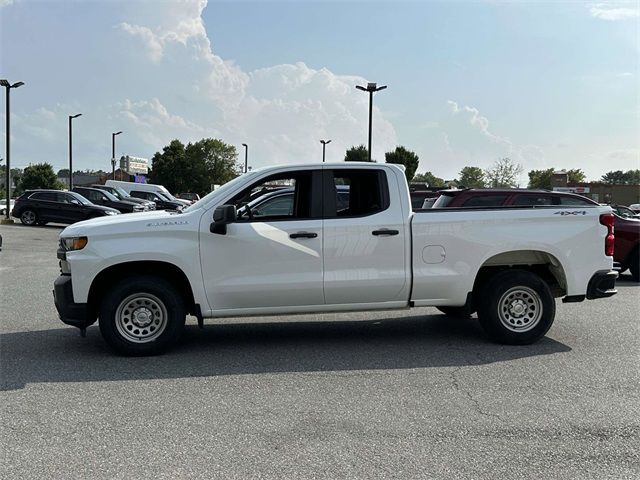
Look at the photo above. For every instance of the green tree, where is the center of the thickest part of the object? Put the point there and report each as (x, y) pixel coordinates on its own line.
(576, 175)
(618, 177)
(194, 167)
(472, 177)
(541, 178)
(402, 156)
(40, 175)
(503, 173)
(430, 179)
(218, 158)
(357, 154)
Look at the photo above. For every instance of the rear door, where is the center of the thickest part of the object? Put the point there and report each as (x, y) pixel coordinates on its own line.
(365, 247)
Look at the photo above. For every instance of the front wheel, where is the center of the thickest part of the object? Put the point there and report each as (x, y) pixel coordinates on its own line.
(516, 307)
(142, 315)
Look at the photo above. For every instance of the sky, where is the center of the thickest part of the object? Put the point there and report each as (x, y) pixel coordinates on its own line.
(546, 83)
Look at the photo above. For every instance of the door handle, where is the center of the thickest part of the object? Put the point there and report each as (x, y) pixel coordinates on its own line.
(303, 235)
(385, 231)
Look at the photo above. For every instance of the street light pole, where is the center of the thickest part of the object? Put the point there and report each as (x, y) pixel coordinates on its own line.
(113, 154)
(71, 117)
(5, 83)
(371, 88)
(324, 146)
(246, 157)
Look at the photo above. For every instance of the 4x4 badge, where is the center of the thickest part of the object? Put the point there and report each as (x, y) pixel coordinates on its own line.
(570, 212)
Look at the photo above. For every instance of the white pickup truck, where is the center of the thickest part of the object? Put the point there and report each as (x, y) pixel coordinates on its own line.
(328, 238)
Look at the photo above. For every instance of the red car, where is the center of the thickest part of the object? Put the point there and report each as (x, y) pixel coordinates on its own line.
(516, 197)
(627, 245)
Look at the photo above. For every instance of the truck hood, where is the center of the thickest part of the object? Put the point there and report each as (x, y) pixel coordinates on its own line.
(128, 222)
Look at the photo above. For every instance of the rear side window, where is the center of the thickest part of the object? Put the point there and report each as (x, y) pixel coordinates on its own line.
(531, 200)
(485, 201)
(356, 193)
(46, 196)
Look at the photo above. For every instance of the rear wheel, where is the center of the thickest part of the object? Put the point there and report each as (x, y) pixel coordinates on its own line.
(142, 315)
(29, 217)
(634, 266)
(516, 307)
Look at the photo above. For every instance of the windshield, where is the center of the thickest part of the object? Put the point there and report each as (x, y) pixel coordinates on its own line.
(442, 201)
(110, 196)
(120, 193)
(163, 196)
(220, 191)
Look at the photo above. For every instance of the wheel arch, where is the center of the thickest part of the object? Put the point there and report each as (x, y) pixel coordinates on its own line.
(544, 264)
(168, 271)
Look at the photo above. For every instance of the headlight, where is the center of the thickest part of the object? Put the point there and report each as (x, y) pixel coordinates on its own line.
(138, 208)
(109, 212)
(70, 244)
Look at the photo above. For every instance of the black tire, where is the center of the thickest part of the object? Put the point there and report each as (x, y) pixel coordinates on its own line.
(634, 266)
(155, 299)
(29, 217)
(457, 312)
(519, 299)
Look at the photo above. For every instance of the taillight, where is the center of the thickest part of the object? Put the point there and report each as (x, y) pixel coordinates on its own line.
(607, 220)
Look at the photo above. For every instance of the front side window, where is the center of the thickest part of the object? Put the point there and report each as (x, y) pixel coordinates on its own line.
(278, 197)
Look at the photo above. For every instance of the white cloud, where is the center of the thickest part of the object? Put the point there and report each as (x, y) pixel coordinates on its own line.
(613, 11)
(282, 111)
(4, 3)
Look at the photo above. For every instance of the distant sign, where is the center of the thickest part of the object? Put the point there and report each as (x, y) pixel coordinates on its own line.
(572, 189)
(140, 179)
(134, 165)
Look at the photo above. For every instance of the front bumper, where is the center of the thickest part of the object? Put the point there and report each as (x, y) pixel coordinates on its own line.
(602, 284)
(71, 313)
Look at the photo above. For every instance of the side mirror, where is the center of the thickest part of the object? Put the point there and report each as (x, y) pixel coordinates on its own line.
(222, 216)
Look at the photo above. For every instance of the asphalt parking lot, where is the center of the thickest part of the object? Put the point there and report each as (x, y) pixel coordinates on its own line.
(410, 394)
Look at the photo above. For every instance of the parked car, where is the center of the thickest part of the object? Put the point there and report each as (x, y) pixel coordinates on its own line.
(279, 202)
(141, 274)
(104, 198)
(3, 205)
(627, 245)
(515, 197)
(190, 197)
(37, 207)
(635, 207)
(162, 202)
(120, 194)
(624, 212)
(130, 187)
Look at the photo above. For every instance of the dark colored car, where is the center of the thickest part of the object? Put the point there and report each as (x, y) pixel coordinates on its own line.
(501, 197)
(627, 244)
(162, 203)
(624, 212)
(37, 207)
(120, 194)
(106, 199)
(191, 197)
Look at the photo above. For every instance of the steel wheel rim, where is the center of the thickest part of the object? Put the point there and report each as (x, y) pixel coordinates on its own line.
(29, 217)
(141, 318)
(520, 309)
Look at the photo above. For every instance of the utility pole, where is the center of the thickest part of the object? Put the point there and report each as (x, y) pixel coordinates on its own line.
(324, 146)
(71, 117)
(8, 86)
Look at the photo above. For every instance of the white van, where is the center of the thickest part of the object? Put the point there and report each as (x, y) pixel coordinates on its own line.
(145, 187)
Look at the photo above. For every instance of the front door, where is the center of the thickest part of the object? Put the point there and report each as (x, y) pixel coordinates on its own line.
(365, 238)
(271, 257)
